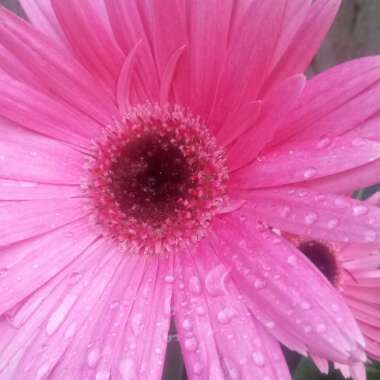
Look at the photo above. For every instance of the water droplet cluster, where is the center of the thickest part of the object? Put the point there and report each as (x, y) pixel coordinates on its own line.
(157, 179)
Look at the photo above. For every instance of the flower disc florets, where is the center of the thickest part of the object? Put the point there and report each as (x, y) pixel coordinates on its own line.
(158, 179)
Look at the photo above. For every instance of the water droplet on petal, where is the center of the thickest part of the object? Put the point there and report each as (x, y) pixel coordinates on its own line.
(191, 344)
(311, 218)
(292, 260)
(259, 284)
(136, 323)
(270, 325)
(187, 324)
(127, 369)
(3, 272)
(258, 358)
(43, 371)
(103, 375)
(224, 316)
(215, 281)
(341, 202)
(324, 142)
(285, 211)
(169, 279)
(195, 285)
(358, 141)
(332, 223)
(198, 368)
(93, 356)
(321, 328)
(309, 173)
(305, 306)
(370, 236)
(359, 210)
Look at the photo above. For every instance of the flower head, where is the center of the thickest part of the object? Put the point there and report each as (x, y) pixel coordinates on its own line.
(149, 149)
(353, 269)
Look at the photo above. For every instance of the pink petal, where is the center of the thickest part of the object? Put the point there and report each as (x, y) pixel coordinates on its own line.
(306, 42)
(301, 161)
(24, 219)
(346, 182)
(90, 39)
(272, 273)
(212, 19)
(26, 266)
(13, 190)
(275, 108)
(252, 51)
(42, 16)
(334, 102)
(219, 338)
(63, 305)
(56, 70)
(29, 157)
(43, 114)
(238, 123)
(322, 216)
(129, 25)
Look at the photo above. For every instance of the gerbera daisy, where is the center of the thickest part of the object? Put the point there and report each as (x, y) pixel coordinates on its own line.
(353, 269)
(146, 147)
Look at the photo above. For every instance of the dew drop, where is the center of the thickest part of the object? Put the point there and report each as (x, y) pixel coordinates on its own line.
(195, 285)
(43, 371)
(332, 223)
(305, 306)
(103, 375)
(169, 279)
(270, 325)
(285, 211)
(136, 323)
(258, 358)
(292, 260)
(311, 218)
(187, 324)
(309, 173)
(69, 333)
(259, 284)
(191, 344)
(324, 142)
(358, 141)
(93, 356)
(359, 210)
(127, 369)
(3, 272)
(215, 281)
(224, 316)
(341, 202)
(321, 328)
(198, 368)
(370, 236)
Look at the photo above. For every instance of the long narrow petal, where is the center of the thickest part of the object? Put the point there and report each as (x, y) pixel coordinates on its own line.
(56, 70)
(275, 108)
(44, 114)
(253, 47)
(90, 39)
(26, 156)
(301, 161)
(42, 16)
(28, 265)
(271, 273)
(334, 102)
(306, 42)
(218, 336)
(319, 215)
(20, 220)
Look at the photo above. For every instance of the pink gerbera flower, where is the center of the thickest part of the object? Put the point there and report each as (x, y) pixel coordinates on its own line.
(146, 146)
(353, 269)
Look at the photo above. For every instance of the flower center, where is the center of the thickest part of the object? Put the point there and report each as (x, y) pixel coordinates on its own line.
(322, 256)
(158, 179)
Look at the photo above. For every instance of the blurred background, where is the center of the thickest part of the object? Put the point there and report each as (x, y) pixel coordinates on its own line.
(356, 33)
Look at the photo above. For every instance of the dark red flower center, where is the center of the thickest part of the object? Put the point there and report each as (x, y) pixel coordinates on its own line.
(322, 256)
(158, 179)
